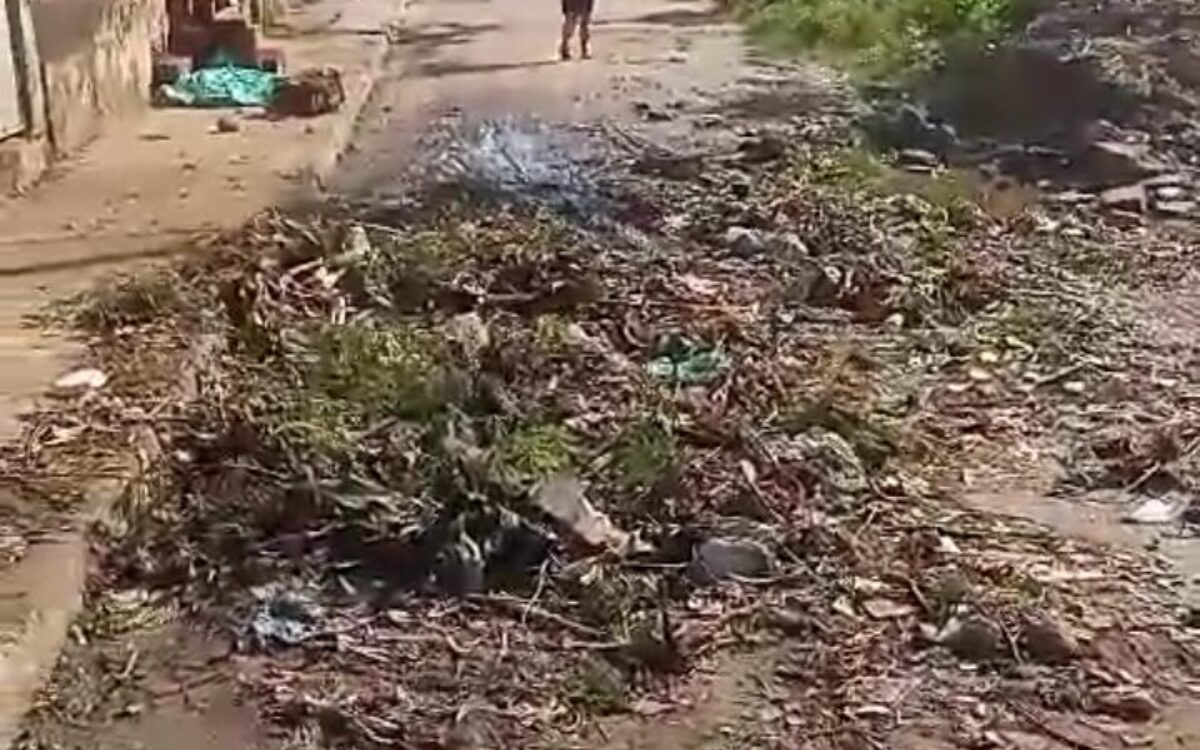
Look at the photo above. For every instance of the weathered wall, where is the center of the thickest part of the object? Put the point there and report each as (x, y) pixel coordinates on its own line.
(96, 58)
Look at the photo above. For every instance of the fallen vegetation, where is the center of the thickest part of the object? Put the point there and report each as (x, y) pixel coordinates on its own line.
(883, 38)
(477, 469)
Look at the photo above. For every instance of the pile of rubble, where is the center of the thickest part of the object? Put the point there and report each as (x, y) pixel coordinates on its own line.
(563, 444)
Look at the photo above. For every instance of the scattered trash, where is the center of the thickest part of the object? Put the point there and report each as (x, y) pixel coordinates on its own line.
(284, 615)
(222, 86)
(888, 609)
(975, 639)
(563, 498)
(744, 241)
(1156, 511)
(77, 381)
(311, 92)
(717, 560)
(688, 364)
(463, 445)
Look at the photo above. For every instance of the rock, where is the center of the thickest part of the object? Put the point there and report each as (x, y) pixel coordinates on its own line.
(227, 125)
(79, 381)
(745, 242)
(975, 640)
(719, 560)
(1125, 198)
(1049, 642)
(563, 499)
(1135, 706)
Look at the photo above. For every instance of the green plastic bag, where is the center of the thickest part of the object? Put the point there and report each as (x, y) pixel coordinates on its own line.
(688, 364)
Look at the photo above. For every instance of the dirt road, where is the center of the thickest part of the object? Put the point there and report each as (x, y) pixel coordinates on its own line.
(481, 59)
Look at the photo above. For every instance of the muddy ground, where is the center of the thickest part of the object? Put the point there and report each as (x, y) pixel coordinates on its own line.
(709, 305)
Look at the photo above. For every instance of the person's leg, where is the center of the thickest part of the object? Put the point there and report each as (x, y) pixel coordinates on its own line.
(585, 26)
(585, 35)
(568, 31)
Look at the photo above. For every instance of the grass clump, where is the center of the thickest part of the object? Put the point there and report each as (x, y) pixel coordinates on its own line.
(129, 302)
(538, 451)
(883, 37)
(349, 377)
(646, 452)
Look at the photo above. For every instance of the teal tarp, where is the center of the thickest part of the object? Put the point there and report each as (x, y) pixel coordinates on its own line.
(224, 86)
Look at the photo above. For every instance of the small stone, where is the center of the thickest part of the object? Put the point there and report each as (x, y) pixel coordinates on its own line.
(1125, 198)
(719, 560)
(1135, 706)
(228, 125)
(1049, 642)
(974, 640)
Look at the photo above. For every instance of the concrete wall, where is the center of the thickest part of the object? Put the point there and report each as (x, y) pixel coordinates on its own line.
(96, 58)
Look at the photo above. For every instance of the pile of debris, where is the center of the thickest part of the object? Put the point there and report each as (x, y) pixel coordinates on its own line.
(479, 447)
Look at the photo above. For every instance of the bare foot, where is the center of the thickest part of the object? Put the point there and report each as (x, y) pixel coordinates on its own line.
(564, 52)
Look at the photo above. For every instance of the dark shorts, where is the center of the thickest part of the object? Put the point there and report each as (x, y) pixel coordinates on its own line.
(578, 8)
